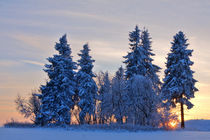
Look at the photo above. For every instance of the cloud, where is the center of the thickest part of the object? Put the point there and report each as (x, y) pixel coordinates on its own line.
(107, 49)
(23, 22)
(33, 62)
(40, 42)
(15, 63)
(81, 15)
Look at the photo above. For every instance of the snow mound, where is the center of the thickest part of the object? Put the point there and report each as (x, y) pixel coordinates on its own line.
(198, 125)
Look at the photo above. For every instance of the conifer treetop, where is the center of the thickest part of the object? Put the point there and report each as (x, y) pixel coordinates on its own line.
(134, 38)
(63, 47)
(86, 61)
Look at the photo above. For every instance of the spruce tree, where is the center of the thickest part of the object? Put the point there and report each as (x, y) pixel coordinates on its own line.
(138, 60)
(139, 63)
(87, 89)
(152, 69)
(135, 58)
(179, 84)
(57, 95)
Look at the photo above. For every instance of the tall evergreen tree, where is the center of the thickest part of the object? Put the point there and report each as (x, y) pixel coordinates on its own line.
(138, 60)
(139, 63)
(87, 89)
(152, 69)
(135, 58)
(57, 95)
(179, 84)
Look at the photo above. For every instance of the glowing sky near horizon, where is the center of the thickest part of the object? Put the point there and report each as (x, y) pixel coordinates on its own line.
(30, 28)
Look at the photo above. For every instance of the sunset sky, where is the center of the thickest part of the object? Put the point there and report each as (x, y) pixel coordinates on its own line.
(30, 28)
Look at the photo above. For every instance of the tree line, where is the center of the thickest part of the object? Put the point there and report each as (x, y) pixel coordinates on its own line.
(74, 94)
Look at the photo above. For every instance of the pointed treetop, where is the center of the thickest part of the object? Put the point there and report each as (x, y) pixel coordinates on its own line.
(63, 47)
(134, 37)
(180, 39)
(86, 60)
(120, 71)
(86, 47)
(146, 39)
(85, 50)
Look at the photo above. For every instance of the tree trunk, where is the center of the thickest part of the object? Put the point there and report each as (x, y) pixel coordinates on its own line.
(119, 120)
(182, 116)
(94, 119)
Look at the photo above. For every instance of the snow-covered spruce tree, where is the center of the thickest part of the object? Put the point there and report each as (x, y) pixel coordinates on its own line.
(57, 95)
(119, 95)
(152, 69)
(87, 89)
(179, 84)
(139, 63)
(135, 58)
(134, 65)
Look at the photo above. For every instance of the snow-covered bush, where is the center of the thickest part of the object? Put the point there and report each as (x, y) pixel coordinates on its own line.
(142, 101)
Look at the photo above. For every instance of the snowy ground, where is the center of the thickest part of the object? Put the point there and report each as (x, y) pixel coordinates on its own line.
(62, 134)
(195, 130)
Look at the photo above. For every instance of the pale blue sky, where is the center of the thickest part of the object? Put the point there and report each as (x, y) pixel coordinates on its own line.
(30, 28)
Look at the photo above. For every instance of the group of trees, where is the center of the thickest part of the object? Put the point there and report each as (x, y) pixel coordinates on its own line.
(134, 95)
